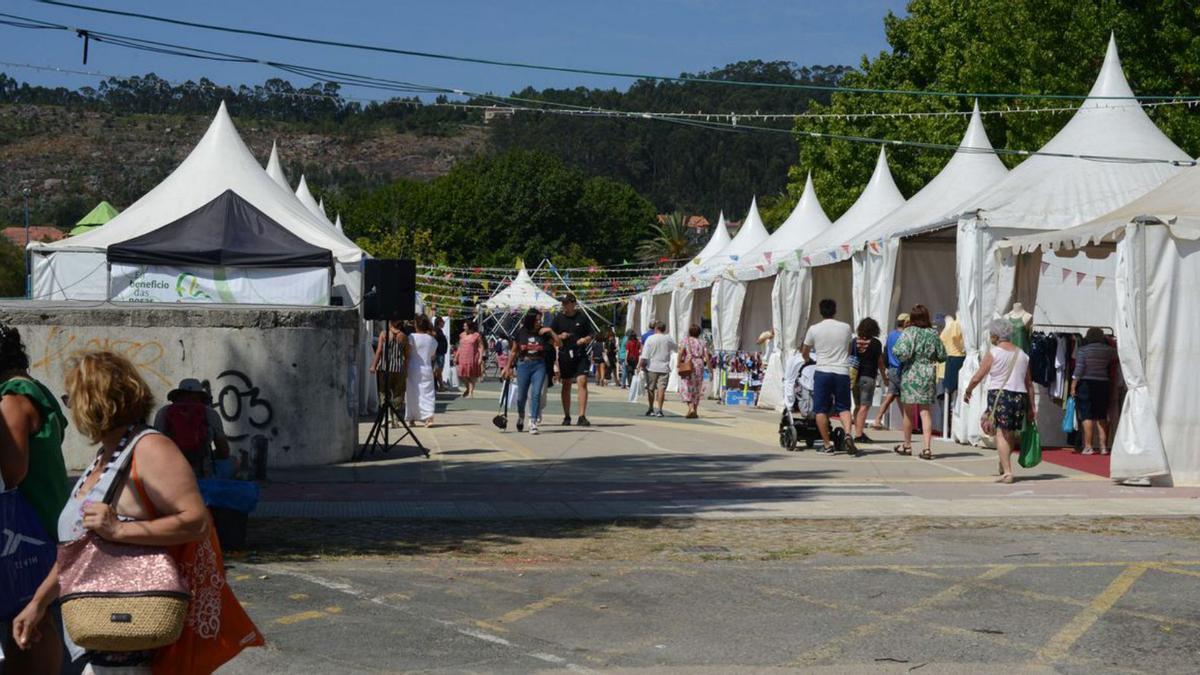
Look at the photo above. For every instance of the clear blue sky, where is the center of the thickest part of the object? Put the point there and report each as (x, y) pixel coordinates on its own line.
(649, 36)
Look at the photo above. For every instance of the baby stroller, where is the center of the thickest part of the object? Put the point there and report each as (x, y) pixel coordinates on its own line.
(798, 422)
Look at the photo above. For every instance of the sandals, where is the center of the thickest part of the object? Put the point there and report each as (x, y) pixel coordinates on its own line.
(878, 426)
(903, 449)
(927, 453)
(1006, 478)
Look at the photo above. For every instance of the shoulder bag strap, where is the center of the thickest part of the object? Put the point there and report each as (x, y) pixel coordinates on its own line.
(126, 464)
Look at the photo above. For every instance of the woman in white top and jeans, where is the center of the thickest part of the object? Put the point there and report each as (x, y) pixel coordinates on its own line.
(1009, 386)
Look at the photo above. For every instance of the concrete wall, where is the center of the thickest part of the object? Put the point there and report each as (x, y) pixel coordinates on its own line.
(285, 373)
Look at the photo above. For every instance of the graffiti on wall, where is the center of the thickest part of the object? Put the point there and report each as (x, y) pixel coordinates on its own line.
(62, 345)
(238, 400)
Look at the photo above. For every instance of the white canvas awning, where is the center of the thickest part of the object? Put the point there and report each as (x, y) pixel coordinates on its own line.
(520, 295)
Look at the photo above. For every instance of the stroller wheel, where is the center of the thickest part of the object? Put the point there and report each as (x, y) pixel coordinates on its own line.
(787, 438)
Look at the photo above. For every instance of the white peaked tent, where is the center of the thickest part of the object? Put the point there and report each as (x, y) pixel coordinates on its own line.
(797, 289)
(275, 169)
(502, 311)
(745, 294)
(1051, 193)
(684, 310)
(1157, 269)
(642, 308)
(77, 268)
(306, 198)
(907, 256)
(338, 223)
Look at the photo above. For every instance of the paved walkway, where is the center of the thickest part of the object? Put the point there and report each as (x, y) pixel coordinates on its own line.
(726, 465)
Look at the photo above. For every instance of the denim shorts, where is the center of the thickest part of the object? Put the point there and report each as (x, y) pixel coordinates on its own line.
(893, 381)
(831, 393)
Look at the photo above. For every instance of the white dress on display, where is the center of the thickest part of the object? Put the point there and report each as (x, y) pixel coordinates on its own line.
(421, 397)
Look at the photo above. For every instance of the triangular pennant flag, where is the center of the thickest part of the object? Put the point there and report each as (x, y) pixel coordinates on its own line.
(1065, 273)
(873, 246)
(1099, 281)
(807, 260)
(1045, 267)
(486, 285)
(767, 256)
(760, 268)
(846, 249)
(1079, 278)
(734, 258)
(833, 255)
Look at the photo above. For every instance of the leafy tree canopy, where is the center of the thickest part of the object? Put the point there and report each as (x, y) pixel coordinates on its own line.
(492, 210)
(1019, 46)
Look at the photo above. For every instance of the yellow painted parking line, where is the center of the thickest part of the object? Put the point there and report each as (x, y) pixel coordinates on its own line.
(1060, 644)
(1046, 565)
(242, 577)
(1176, 570)
(298, 596)
(333, 610)
(298, 617)
(547, 602)
(831, 648)
(1060, 599)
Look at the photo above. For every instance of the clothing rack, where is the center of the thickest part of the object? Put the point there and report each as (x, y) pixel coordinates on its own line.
(1067, 328)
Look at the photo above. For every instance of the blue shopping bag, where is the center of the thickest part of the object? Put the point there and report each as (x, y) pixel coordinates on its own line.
(239, 495)
(26, 554)
(1068, 423)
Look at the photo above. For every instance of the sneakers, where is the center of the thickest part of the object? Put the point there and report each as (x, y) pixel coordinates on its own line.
(1105, 451)
(533, 429)
(863, 438)
(649, 412)
(520, 424)
(826, 449)
(659, 413)
(583, 422)
(1089, 451)
(567, 421)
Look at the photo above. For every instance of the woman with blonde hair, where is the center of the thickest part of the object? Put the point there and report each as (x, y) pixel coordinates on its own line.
(159, 504)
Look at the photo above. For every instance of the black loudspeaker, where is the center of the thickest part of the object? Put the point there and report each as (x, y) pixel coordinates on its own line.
(389, 290)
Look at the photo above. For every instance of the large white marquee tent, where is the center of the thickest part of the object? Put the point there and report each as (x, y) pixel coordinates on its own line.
(1154, 244)
(1056, 189)
(642, 309)
(79, 268)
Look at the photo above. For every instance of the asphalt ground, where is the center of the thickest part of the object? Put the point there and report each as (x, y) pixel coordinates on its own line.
(872, 596)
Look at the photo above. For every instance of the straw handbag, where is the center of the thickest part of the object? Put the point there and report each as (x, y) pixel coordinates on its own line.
(119, 597)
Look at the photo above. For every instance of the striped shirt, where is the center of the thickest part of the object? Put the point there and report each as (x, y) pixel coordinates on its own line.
(1092, 362)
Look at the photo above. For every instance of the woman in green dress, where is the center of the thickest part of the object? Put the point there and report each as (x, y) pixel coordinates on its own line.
(919, 349)
(31, 460)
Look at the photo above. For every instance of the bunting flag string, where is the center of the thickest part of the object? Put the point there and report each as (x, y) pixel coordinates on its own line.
(1065, 275)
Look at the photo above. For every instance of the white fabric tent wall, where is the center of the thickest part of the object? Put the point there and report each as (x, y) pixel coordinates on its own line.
(520, 295)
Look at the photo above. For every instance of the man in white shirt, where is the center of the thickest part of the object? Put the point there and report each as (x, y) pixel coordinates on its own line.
(656, 362)
(828, 343)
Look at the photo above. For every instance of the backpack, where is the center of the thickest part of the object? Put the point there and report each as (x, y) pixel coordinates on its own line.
(187, 425)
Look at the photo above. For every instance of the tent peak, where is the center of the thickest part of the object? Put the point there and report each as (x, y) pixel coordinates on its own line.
(275, 169)
(1111, 82)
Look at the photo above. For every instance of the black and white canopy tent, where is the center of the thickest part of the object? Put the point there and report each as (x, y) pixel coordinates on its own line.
(218, 229)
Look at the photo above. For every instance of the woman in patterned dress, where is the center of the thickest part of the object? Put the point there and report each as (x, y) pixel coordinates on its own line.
(470, 357)
(691, 386)
(919, 349)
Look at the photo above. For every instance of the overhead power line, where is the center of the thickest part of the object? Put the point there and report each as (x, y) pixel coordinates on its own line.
(351, 79)
(580, 71)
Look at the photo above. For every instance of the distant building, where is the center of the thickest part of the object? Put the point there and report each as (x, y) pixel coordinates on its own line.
(698, 223)
(495, 112)
(36, 232)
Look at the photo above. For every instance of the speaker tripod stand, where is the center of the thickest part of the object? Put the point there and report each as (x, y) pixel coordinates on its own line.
(379, 440)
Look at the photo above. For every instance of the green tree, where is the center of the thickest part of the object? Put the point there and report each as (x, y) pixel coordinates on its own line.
(1021, 46)
(12, 270)
(671, 239)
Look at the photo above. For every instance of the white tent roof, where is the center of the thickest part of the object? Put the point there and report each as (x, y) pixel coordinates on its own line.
(1051, 193)
(219, 162)
(880, 197)
(520, 295)
(750, 236)
(1173, 203)
(717, 241)
(321, 206)
(275, 169)
(807, 221)
(306, 198)
(338, 223)
(973, 167)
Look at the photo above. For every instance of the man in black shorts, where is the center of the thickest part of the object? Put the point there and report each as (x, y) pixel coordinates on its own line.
(575, 330)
